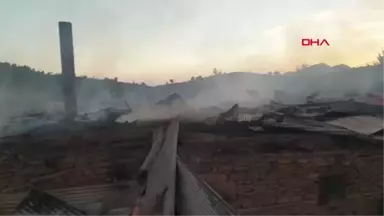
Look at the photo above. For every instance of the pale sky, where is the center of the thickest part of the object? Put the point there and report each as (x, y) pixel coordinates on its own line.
(156, 40)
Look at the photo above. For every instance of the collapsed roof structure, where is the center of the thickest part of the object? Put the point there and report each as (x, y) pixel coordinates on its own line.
(304, 158)
(93, 167)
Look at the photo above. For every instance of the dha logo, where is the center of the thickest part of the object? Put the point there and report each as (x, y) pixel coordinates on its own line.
(310, 42)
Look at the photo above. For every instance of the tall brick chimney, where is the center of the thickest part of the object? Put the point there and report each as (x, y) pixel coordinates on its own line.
(68, 69)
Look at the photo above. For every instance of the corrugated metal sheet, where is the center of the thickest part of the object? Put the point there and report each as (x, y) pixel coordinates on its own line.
(120, 211)
(89, 199)
(230, 115)
(161, 174)
(195, 197)
(41, 203)
(248, 117)
(192, 196)
(361, 124)
(307, 125)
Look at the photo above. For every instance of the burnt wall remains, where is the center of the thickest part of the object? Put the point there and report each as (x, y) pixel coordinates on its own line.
(323, 181)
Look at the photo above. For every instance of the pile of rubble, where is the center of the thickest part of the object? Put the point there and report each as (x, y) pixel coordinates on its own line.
(87, 166)
(348, 117)
(272, 159)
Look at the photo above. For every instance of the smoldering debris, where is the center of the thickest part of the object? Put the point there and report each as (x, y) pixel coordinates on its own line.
(28, 121)
(49, 119)
(171, 99)
(113, 153)
(171, 107)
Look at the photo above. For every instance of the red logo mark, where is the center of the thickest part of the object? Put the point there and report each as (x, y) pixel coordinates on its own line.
(310, 42)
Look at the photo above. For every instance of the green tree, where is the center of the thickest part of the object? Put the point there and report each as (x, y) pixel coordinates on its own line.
(380, 58)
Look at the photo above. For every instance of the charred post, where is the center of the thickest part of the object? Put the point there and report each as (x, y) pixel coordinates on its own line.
(68, 69)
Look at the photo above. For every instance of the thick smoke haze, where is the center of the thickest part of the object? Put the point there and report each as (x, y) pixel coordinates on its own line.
(180, 41)
(152, 42)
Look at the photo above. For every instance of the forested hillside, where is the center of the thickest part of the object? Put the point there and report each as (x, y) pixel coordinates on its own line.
(22, 88)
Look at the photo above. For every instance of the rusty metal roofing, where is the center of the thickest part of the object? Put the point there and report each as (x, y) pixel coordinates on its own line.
(195, 197)
(41, 203)
(361, 124)
(89, 199)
